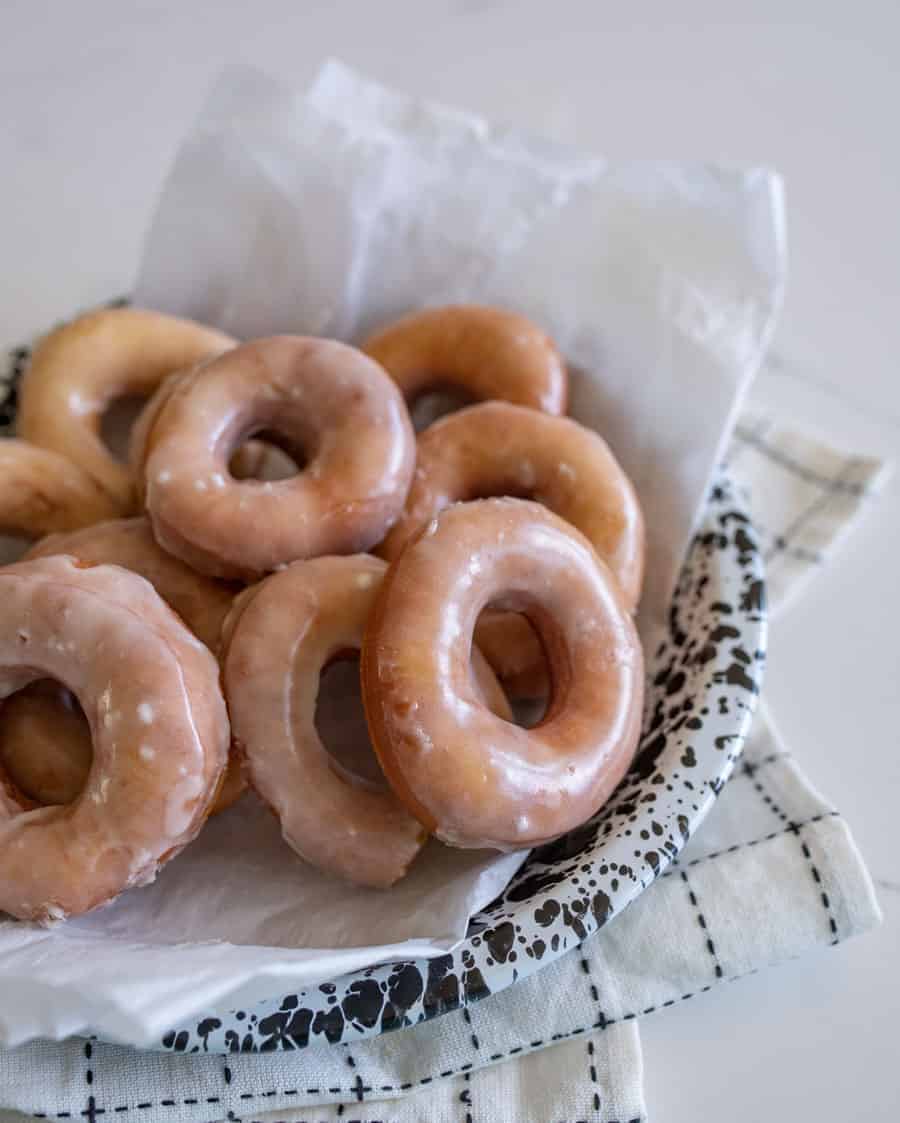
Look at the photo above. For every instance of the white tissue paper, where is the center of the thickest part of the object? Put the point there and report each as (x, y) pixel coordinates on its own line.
(329, 213)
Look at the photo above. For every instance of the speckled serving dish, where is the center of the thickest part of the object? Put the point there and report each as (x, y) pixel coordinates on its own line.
(703, 683)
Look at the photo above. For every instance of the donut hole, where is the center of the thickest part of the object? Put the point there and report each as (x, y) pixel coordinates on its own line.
(529, 712)
(510, 489)
(341, 723)
(118, 421)
(437, 402)
(45, 743)
(513, 646)
(12, 547)
(265, 456)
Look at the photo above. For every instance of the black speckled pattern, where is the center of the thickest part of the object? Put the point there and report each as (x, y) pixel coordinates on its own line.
(703, 683)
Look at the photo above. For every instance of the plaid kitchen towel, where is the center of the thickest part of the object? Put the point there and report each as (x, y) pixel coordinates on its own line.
(772, 874)
(806, 496)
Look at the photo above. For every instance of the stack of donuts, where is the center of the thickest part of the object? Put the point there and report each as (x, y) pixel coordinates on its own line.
(163, 639)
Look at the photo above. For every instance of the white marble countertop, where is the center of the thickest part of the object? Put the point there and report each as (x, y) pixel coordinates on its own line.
(95, 95)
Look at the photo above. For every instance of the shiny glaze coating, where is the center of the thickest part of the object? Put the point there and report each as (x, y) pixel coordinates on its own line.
(158, 723)
(330, 404)
(79, 369)
(469, 776)
(251, 461)
(42, 492)
(46, 750)
(496, 449)
(45, 743)
(201, 602)
(281, 635)
(484, 352)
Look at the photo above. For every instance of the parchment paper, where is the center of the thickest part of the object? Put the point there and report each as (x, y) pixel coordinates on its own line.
(328, 213)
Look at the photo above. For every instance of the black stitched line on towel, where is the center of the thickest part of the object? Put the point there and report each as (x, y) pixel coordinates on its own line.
(739, 443)
(711, 857)
(358, 1087)
(799, 553)
(795, 828)
(837, 485)
(592, 1069)
(476, 1045)
(701, 920)
(801, 471)
(595, 998)
(769, 759)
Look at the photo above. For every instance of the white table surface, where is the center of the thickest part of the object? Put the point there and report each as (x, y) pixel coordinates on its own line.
(94, 96)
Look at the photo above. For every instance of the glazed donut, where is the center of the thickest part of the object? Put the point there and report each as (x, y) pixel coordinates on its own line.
(330, 405)
(158, 722)
(201, 602)
(42, 492)
(500, 449)
(79, 369)
(253, 460)
(278, 639)
(45, 741)
(497, 449)
(484, 352)
(469, 777)
(46, 750)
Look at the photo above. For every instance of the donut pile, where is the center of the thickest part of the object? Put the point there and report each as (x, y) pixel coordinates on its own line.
(162, 641)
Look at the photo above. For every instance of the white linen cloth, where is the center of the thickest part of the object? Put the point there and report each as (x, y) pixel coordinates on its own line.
(772, 873)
